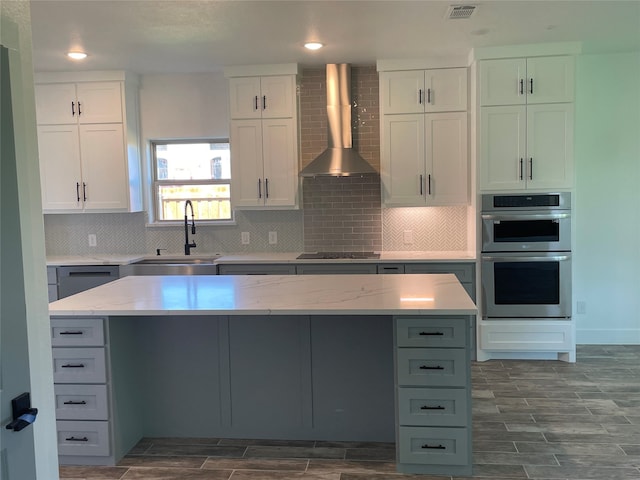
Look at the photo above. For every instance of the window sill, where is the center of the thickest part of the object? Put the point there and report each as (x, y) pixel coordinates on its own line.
(199, 223)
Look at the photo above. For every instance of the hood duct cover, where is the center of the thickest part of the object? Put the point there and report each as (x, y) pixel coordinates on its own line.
(339, 159)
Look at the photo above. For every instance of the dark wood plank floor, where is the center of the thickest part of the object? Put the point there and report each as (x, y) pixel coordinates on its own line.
(542, 420)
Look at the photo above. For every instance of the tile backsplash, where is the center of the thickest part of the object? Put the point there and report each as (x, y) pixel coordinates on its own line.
(338, 214)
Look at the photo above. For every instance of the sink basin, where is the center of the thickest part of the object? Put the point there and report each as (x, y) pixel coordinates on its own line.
(176, 261)
(167, 265)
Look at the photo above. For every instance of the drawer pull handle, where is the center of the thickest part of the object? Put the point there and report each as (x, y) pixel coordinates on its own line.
(437, 447)
(75, 332)
(72, 402)
(427, 367)
(74, 439)
(431, 333)
(427, 407)
(77, 365)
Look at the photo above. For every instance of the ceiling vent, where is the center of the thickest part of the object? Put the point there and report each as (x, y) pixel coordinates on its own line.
(460, 11)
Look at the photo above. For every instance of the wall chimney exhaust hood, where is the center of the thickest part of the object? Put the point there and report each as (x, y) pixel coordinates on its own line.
(339, 159)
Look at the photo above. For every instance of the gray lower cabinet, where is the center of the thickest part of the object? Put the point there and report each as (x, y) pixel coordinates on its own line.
(464, 271)
(433, 395)
(335, 268)
(257, 269)
(77, 279)
(52, 283)
(80, 373)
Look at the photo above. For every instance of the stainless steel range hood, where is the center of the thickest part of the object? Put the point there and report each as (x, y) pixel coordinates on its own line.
(339, 159)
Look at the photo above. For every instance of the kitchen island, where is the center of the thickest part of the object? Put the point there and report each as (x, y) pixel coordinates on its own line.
(347, 357)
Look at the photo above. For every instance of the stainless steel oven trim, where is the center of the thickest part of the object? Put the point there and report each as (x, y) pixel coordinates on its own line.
(489, 245)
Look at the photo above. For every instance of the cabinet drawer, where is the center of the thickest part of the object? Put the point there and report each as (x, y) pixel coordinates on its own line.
(79, 365)
(433, 367)
(83, 332)
(445, 332)
(436, 407)
(464, 271)
(434, 446)
(81, 402)
(391, 268)
(83, 438)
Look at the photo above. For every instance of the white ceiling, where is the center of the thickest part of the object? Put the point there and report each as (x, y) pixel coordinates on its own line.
(167, 36)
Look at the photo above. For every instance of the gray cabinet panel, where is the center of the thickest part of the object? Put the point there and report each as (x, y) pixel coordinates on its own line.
(268, 364)
(337, 269)
(464, 271)
(433, 407)
(432, 332)
(257, 269)
(352, 371)
(432, 367)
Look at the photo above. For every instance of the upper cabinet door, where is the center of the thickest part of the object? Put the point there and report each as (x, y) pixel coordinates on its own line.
(99, 102)
(402, 92)
(280, 163)
(244, 97)
(446, 90)
(277, 96)
(56, 104)
(550, 79)
(502, 82)
(262, 97)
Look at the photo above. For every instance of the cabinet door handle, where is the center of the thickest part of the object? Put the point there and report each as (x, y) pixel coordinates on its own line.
(78, 191)
(427, 367)
(429, 184)
(521, 161)
(421, 191)
(73, 332)
(255, 102)
(74, 439)
(73, 365)
(264, 102)
(266, 188)
(428, 95)
(531, 85)
(79, 111)
(427, 407)
(531, 168)
(73, 109)
(419, 96)
(72, 402)
(521, 86)
(438, 447)
(84, 191)
(259, 188)
(439, 334)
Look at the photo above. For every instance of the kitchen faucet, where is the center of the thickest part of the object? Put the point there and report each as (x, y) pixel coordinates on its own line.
(188, 246)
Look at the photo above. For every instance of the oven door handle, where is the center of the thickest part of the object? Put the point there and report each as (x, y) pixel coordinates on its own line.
(520, 258)
(525, 217)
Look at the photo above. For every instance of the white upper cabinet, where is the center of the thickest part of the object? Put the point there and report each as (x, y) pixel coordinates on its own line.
(520, 81)
(264, 137)
(68, 103)
(418, 91)
(262, 97)
(88, 143)
(424, 147)
(526, 123)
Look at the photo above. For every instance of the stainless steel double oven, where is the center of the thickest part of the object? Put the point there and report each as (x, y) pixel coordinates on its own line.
(526, 256)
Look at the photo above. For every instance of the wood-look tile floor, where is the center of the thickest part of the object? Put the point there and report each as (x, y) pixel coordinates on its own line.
(538, 420)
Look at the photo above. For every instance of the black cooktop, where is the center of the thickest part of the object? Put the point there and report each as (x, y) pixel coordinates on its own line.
(338, 255)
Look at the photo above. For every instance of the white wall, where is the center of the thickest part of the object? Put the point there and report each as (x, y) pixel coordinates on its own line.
(606, 258)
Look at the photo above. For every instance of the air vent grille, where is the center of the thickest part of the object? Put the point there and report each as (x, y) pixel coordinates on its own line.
(460, 11)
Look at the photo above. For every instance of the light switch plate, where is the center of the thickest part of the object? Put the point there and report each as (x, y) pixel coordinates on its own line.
(245, 239)
(273, 238)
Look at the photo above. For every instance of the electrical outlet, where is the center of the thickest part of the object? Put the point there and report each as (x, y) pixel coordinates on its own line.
(92, 240)
(273, 238)
(408, 237)
(245, 239)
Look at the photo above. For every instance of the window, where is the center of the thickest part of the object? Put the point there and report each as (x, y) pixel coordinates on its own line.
(196, 170)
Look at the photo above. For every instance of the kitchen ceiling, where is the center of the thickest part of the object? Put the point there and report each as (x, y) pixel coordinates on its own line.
(178, 36)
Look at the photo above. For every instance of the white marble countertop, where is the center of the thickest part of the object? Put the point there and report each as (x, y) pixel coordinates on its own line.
(257, 258)
(272, 295)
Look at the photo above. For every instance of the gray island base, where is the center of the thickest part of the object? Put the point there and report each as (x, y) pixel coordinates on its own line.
(383, 358)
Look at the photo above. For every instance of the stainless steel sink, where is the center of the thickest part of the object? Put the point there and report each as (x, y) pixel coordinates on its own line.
(181, 265)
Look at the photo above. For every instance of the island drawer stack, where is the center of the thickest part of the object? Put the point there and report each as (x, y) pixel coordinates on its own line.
(433, 395)
(80, 377)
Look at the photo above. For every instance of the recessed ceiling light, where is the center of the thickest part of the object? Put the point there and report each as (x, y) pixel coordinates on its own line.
(313, 45)
(77, 55)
